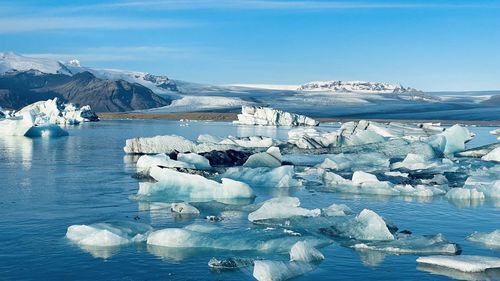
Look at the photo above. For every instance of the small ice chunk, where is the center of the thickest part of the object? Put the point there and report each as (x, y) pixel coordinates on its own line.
(271, 158)
(184, 208)
(367, 226)
(360, 177)
(493, 155)
(304, 252)
(266, 270)
(491, 239)
(282, 208)
(463, 263)
(464, 194)
(107, 235)
(356, 161)
(199, 162)
(278, 177)
(146, 162)
(419, 162)
(336, 210)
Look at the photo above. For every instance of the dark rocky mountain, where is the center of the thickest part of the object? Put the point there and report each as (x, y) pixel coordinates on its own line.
(18, 89)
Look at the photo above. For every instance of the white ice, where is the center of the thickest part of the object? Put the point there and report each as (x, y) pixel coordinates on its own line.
(303, 251)
(248, 142)
(278, 177)
(199, 162)
(184, 209)
(370, 161)
(493, 155)
(366, 226)
(252, 115)
(464, 194)
(192, 187)
(428, 244)
(419, 162)
(271, 159)
(452, 140)
(336, 210)
(146, 162)
(266, 270)
(107, 235)
(464, 263)
(491, 239)
(282, 208)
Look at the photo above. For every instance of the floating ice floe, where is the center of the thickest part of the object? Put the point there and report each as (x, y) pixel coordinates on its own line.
(464, 194)
(184, 209)
(106, 235)
(265, 116)
(199, 162)
(371, 161)
(366, 183)
(463, 263)
(366, 226)
(271, 158)
(493, 155)
(230, 263)
(264, 177)
(409, 244)
(303, 258)
(218, 238)
(181, 186)
(415, 162)
(248, 142)
(479, 152)
(146, 162)
(452, 140)
(281, 208)
(336, 210)
(491, 239)
(172, 143)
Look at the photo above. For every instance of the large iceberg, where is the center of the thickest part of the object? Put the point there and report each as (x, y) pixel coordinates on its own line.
(252, 115)
(181, 186)
(24, 125)
(366, 226)
(452, 140)
(463, 262)
(282, 208)
(54, 112)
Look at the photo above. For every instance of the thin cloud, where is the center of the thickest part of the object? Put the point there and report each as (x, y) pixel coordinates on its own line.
(27, 24)
(110, 54)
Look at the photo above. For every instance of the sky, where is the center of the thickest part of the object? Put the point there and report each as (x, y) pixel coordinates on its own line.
(429, 45)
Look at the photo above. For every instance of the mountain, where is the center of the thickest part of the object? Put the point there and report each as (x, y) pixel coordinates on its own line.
(355, 86)
(10, 61)
(20, 88)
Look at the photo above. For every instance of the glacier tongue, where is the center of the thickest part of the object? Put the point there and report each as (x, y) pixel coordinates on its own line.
(265, 116)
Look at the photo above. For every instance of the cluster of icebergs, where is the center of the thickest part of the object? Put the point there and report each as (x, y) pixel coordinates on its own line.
(42, 119)
(266, 116)
(223, 178)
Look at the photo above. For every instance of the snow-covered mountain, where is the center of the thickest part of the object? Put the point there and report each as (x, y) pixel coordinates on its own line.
(355, 87)
(10, 61)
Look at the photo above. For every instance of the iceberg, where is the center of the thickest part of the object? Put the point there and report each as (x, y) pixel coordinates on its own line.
(182, 186)
(304, 252)
(371, 161)
(281, 208)
(336, 210)
(464, 194)
(24, 125)
(493, 155)
(423, 245)
(310, 138)
(463, 263)
(247, 142)
(271, 158)
(491, 239)
(146, 162)
(108, 235)
(415, 162)
(452, 140)
(479, 152)
(230, 263)
(199, 162)
(264, 177)
(265, 116)
(54, 112)
(366, 226)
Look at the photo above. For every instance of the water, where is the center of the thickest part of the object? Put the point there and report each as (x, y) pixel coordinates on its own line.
(49, 184)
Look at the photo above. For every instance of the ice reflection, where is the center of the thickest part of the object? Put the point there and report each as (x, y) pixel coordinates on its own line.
(371, 258)
(18, 149)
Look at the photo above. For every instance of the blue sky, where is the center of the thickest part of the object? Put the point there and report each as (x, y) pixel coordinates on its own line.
(430, 45)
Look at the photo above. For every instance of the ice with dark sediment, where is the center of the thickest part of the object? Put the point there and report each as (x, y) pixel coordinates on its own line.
(248, 142)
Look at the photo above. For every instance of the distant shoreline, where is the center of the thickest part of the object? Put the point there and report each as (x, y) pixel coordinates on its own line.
(227, 117)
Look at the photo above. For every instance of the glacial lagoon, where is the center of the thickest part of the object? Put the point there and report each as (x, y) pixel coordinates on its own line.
(86, 178)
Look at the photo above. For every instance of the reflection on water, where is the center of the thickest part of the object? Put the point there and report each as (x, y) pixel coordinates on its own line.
(85, 178)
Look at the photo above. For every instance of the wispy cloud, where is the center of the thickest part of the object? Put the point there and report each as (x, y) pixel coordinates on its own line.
(27, 23)
(110, 54)
(302, 5)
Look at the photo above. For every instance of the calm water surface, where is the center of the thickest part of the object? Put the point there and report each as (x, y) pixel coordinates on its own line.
(49, 184)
